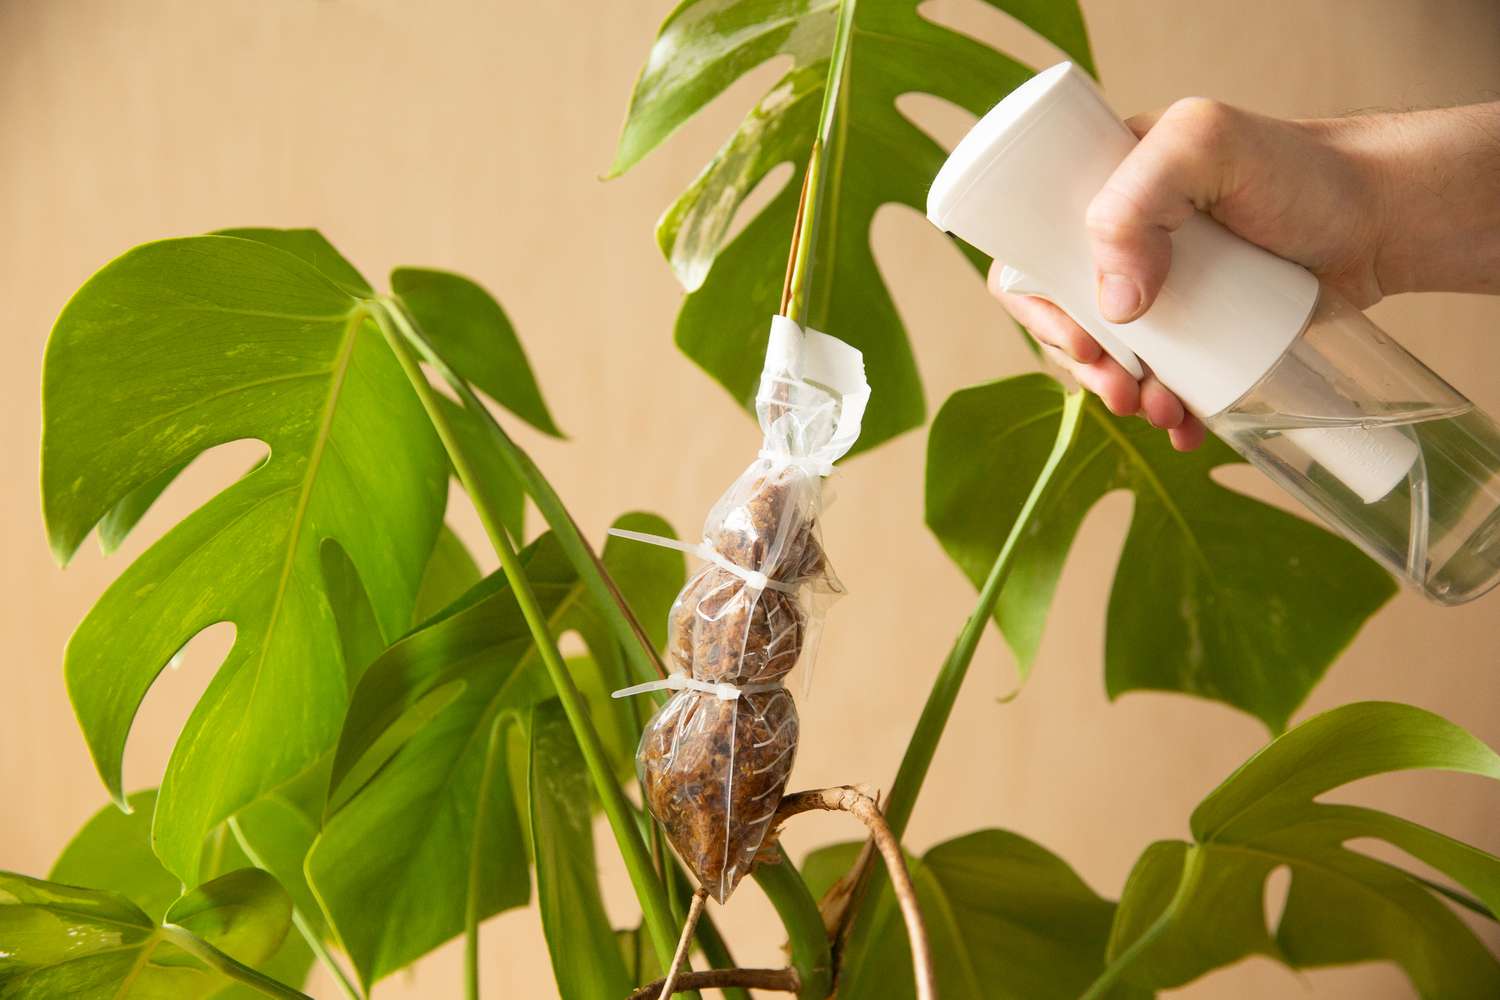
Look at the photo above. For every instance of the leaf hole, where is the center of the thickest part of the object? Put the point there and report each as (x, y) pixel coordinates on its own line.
(1245, 479)
(439, 384)
(1273, 899)
(987, 24)
(152, 509)
(943, 121)
(757, 199)
(170, 700)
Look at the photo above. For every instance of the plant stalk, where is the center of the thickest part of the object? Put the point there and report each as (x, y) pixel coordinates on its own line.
(863, 808)
(471, 899)
(403, 339)
(924, 740)
(922, 746)
(811, 957)
(684, 943)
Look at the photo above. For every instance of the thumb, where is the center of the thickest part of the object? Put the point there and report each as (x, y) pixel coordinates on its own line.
(1183, 162)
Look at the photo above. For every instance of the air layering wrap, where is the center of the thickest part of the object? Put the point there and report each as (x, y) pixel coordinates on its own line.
(715, 758)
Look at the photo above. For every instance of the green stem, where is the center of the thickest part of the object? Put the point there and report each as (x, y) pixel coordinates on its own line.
(798, 911)
(825, 169)
(1192, 871)
(668, 868)
(299, 921)
(471, 899)
(945, 687)
(640, 655)
(617, 808)
(227, 966)
(934, 718)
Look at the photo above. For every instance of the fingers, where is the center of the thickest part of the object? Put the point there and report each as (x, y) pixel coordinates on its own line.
(1159, 405)
(1072, 349)
(1188, 435)
(1047, 323)
(1182, 162)
(1116, 388)
(1141, 124)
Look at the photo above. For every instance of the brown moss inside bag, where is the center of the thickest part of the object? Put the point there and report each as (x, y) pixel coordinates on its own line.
(715, 759)
(714, 771)
(714, 767)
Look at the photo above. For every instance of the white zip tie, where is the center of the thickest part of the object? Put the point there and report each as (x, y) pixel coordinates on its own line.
(679, 681)
(754, 578)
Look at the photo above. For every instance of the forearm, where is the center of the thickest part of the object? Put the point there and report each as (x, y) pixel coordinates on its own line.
(1436, 178)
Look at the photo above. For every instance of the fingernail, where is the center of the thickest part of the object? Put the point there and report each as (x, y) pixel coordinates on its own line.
(1119, 298)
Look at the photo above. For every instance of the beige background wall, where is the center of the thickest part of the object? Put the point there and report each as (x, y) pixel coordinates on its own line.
(468, 135)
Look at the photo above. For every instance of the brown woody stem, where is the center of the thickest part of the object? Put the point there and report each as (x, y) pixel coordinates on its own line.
(695, 910)
(864, 808)
(781, 980)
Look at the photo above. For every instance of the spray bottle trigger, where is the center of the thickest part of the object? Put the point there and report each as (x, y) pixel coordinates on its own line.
(1016, 283)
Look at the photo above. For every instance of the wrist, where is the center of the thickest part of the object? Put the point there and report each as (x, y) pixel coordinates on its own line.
(1433, 179)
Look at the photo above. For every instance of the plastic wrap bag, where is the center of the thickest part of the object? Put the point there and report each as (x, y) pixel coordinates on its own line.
(714, 760)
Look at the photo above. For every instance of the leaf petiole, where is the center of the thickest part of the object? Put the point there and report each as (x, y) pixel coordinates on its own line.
(403, 339)
(945, 687)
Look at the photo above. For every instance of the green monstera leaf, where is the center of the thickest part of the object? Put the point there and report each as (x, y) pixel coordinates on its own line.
(1192, 907)
(185, 344)
(880, 158)
(428, 782)
(1006, 919)
(89, 944)
(1196, 607)
(171, 349)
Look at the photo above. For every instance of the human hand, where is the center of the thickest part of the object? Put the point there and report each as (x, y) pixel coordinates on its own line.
(1305, 190)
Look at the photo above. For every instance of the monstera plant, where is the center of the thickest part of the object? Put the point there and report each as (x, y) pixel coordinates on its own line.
(396, 748)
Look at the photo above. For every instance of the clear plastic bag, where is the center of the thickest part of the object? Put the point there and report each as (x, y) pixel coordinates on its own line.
(714, 760)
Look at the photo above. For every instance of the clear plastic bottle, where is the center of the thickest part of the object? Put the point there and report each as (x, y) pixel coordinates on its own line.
(1381, 447)
(1294, 378)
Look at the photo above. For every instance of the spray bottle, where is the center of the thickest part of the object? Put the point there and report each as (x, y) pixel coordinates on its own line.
(1278, 365)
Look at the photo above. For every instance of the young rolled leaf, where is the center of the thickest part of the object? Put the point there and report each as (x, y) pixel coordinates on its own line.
(1007, 919)
(586, 959)
(426, 755)
(1192, 907)
(1194, 609)
(179, 346)
(880, 157)
(90, 944)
